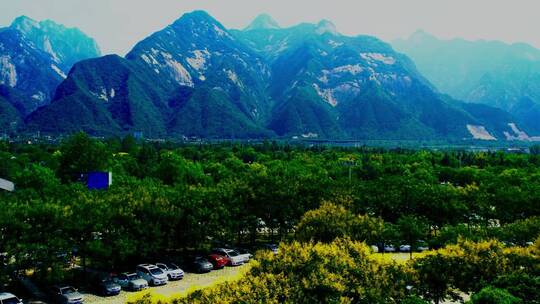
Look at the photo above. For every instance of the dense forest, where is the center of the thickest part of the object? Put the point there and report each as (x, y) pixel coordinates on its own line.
(479, 211)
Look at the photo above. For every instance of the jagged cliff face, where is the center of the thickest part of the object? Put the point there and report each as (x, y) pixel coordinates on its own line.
(34, 58)
(66, 46)
(27, 69)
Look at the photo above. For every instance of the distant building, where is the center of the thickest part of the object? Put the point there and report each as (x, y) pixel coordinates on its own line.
(138, 135)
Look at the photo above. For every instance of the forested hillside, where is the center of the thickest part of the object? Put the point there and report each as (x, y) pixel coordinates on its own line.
(168, 199)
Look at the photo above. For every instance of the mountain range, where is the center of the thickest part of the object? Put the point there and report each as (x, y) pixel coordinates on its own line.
(494, 73)
(196, 78)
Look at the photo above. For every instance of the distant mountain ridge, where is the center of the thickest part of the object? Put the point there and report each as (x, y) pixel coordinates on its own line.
(65, 45)
(505, 76)
(35, 57)
(196, 78)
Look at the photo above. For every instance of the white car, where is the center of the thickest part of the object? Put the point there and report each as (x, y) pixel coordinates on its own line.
(389, 248)
(153, 274)
(245, 253)
(405, 248)
(422, 246)
(8, 298)
(173, 272)
(235, 258)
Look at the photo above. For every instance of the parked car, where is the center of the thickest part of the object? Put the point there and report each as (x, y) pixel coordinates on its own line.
(153, 274)
(218, 261)
(235, 258)
(131, 281)
(272, 247)
(244, 252)
(200, 265)
(172, 270)
(405, 248)
(374, 248)
(389, 248)
(422, 246)
(8, 298)
(66, 295)
(108, 287)
(509, 244)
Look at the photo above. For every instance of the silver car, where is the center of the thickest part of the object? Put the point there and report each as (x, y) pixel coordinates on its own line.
(131, 281)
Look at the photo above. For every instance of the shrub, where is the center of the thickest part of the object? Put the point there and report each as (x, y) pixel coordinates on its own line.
(521, 285)
(414, 300)
(331, 221)
(491, 295)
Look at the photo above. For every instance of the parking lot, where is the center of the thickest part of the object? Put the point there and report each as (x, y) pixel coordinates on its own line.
(92, 285)
(191, 281)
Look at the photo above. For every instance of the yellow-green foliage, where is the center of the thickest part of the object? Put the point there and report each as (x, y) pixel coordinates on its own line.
(346, 271)
(469, 266)
(147, 298)
(325, 223)
(332, 221)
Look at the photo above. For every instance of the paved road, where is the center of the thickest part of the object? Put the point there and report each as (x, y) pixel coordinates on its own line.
(190, 280)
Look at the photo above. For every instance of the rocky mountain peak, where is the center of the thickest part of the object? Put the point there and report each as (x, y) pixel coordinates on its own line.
(325, 26)
(263, 21)
(24, 24)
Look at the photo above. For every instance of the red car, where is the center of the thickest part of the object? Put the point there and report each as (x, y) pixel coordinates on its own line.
(218, 261)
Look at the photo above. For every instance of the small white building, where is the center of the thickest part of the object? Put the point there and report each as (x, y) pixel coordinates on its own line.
(6, 185)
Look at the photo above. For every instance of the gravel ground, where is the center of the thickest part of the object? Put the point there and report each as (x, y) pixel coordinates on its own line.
(173, 288)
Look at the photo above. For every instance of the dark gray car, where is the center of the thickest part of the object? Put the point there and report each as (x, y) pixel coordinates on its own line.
(200, 265)
(108, 287)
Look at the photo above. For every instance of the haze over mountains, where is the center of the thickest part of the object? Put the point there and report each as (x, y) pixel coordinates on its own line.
(488, 72)
(197, 78)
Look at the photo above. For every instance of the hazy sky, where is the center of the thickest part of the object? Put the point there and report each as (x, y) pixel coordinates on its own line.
(118, 24)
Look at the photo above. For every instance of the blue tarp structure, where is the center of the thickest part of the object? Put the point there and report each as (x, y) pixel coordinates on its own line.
(99, 180)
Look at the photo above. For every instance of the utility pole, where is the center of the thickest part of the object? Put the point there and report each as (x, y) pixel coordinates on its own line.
(349, 163)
